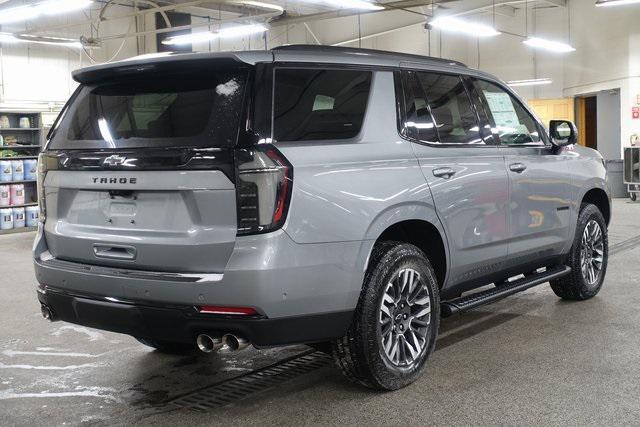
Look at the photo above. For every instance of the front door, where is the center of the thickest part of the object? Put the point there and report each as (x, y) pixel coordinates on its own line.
(540, 184)
(465, 172)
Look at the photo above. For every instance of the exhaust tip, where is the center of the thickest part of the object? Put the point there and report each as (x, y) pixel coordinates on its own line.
(234, 343)
(46, 313)
(207, 344)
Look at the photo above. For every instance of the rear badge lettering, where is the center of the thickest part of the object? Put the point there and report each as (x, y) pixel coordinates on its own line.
(114, 180)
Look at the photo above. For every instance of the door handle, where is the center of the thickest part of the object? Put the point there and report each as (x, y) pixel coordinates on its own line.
(445, 172)
(517, 167)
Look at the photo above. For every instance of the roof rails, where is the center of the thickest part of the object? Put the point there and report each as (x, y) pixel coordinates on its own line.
(342, 49)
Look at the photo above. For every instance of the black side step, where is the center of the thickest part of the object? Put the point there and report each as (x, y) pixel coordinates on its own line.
(462, 304)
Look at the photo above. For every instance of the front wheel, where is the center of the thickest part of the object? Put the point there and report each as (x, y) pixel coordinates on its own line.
(632, 196)
(396, 322)
(587, 259)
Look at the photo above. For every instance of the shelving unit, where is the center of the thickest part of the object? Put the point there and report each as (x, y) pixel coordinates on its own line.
(21, 144)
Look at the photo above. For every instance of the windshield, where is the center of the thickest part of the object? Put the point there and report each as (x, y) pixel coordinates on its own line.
(200, 109)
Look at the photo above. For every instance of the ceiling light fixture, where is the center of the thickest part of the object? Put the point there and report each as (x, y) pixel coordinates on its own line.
(530, 82)
(49, 7)
(606, 3)
(456, 25)
(52, 41)
(223, 33)
(549, 45)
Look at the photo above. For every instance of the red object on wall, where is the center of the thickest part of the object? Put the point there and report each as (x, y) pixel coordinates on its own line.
(635, 113)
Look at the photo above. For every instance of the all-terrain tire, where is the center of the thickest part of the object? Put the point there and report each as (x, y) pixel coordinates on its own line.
(359, 354)
(575, 286)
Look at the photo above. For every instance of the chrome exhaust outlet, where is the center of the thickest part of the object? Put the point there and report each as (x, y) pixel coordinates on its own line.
(234, 343)
(208, 344)
(47, 313)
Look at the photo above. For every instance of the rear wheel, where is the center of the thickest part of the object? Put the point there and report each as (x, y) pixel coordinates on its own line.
(632, 196)
(396, 322)
(587, 259)
(168, 347)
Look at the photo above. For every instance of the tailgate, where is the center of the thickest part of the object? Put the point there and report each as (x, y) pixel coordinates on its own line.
(171, 220)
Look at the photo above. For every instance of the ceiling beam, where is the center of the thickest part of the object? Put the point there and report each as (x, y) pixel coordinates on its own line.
(559, 3)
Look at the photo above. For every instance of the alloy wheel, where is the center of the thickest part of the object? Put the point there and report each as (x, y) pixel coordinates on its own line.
(592, 252)
(404, 318)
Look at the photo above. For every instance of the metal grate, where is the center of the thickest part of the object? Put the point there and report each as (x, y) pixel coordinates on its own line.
(238, 388)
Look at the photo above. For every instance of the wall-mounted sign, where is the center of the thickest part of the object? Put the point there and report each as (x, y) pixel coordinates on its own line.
(635, 113)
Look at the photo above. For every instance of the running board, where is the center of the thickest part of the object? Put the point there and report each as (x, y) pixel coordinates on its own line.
(468, 302)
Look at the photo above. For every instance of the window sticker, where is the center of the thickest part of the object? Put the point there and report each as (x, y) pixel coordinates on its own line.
(323, 102)
(504, 114)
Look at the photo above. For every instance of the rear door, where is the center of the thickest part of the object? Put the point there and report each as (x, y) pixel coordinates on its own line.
(464, 169)
(540, 184)
(141, 171)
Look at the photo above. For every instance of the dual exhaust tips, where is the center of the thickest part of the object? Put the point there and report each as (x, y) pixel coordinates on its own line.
(208, 344)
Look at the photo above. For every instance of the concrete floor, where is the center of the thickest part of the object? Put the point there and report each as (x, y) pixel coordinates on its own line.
(529, 359)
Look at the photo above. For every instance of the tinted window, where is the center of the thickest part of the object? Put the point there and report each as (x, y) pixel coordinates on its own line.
(455, 118)
(418, 123)
(510, 121)
(201, 109)
(319, 104)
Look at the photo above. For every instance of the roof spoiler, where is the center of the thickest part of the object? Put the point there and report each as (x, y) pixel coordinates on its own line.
(168, 62)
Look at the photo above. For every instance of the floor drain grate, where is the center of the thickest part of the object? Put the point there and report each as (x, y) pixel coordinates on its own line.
(238, 388)
(625, 245)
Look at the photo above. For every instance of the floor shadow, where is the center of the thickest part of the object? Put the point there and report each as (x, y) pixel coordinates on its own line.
(482, 323)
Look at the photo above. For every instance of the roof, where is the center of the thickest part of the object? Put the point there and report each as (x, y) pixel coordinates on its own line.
(350, 52)
(290, 53)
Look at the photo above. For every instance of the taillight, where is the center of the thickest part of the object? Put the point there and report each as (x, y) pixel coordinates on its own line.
(42, 172)
(265, 180)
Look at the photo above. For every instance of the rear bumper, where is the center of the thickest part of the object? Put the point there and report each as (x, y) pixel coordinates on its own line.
(184, 323)
(303, 292)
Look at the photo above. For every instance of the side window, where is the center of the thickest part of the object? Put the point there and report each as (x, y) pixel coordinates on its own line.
(314, 104)
(455, 119)
(511, 122)
(418, 123)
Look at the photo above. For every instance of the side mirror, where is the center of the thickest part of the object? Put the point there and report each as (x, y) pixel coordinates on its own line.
(563, 132)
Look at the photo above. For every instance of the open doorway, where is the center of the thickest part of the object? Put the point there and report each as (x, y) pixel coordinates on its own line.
(588, 121)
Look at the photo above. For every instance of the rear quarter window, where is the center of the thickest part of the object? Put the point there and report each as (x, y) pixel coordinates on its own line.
(319, 104)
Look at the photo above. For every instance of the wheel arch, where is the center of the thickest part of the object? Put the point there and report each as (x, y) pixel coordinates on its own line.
(413, 223)
(426, 237)
(599, 198)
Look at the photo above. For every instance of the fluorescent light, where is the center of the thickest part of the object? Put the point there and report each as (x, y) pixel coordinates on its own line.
(549, 45)
(49, 7)
(354, 4)
(190, 38)
(223, 33)
(530, 82)
(605, 3)
(53, 41)
(456, 25)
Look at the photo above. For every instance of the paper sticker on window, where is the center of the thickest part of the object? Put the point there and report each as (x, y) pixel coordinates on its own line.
(503, 111)
(322, 102)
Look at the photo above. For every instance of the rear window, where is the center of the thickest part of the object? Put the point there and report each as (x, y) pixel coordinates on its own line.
(313, 104)
(196, 109)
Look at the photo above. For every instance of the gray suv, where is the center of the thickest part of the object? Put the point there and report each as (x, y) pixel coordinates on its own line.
(343, 198)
